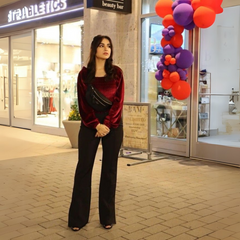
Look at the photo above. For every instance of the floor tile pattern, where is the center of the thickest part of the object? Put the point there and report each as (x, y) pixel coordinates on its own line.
(173, 198)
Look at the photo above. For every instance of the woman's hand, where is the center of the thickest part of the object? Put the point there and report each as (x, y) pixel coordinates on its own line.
(102, 130)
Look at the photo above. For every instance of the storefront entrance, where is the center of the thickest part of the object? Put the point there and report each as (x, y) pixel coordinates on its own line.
(16, 81)
(215, 95)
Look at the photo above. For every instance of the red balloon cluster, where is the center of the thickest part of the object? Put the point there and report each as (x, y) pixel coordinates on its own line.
(177, 16)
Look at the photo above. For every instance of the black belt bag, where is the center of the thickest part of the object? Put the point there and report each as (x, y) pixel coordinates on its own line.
(97, 100)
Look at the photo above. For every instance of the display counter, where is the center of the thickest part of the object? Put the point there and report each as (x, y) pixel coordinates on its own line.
(171, 119)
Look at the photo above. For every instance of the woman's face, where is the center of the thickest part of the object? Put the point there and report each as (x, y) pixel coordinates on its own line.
(104, 50)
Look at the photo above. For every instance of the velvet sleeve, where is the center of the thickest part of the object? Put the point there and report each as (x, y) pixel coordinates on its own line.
(113, 119)
(87, 113)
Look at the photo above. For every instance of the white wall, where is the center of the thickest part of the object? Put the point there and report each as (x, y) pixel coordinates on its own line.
(219, 54)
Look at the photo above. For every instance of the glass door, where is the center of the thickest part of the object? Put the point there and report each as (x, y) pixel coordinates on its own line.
(21, 81)
(4, 82)
(169, 116)
(215, 98)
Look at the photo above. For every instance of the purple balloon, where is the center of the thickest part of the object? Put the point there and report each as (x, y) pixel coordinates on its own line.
(171, 33)
(183, 14)
(162, 59)
(168, 49)
(172, 68)
(174, 5)
(190, 26)
(160, 66)
(184, 59)
(167, 37)
(158, 75)
(165, 32)
(184, 1)
(182, 74)
(170, 27)
(159, 63)
(177, 50)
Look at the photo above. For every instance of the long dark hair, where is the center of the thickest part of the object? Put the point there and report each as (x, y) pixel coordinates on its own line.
(91, 66)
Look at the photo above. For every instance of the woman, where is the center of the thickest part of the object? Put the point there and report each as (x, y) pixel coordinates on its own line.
(96, 125)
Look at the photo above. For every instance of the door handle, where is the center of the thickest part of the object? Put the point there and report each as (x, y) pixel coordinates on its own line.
(4, 92)
(17, 88)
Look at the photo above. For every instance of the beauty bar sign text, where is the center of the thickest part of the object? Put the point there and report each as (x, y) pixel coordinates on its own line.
(43, 8)
(121, 6)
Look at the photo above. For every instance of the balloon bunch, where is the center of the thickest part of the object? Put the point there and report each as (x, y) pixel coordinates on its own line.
(177, 16)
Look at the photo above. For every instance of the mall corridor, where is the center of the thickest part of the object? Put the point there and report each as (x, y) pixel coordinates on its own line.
(174, 198)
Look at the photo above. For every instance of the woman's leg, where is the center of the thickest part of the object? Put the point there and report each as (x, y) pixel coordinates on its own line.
(111, 146)
(81, 196)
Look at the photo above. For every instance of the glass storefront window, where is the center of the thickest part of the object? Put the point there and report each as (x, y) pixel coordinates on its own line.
(57, 63)
(47, 76)
(148, 6)
(168, 115)
(219, 80)
(71, 64)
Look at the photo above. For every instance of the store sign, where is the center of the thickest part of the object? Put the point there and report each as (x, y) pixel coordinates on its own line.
(31, 11)
(121, 6)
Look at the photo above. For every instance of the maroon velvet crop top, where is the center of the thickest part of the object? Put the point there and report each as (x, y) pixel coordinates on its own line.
(112, 89)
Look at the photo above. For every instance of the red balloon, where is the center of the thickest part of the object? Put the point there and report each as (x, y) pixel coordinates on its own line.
(178, 28)
(164, 42)
(204, 17)
(166, 73)
(177, 40)
(215, 5)
(163, 7)
(166, 83)
(196, 4)
(174, 77)
(168, 20)
(181, 90)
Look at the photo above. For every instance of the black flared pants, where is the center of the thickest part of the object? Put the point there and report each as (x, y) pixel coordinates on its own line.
(81, 196)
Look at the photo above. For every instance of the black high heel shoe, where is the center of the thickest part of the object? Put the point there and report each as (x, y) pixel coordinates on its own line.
(107, 226)
(75, 229)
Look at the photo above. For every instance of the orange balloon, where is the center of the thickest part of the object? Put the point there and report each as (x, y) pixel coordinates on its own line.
(166, 83)
(196, 4)
(173, 61)
(174, 77)
(164, 42)
(181, 90)
(168, 20)
(168, 57)
(204, 17)
(177, 40)
(163, 7)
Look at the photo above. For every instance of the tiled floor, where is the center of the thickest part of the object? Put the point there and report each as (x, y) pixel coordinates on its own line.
(173, 198)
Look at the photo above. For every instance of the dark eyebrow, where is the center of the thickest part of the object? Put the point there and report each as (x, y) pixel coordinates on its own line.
(108, 44)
